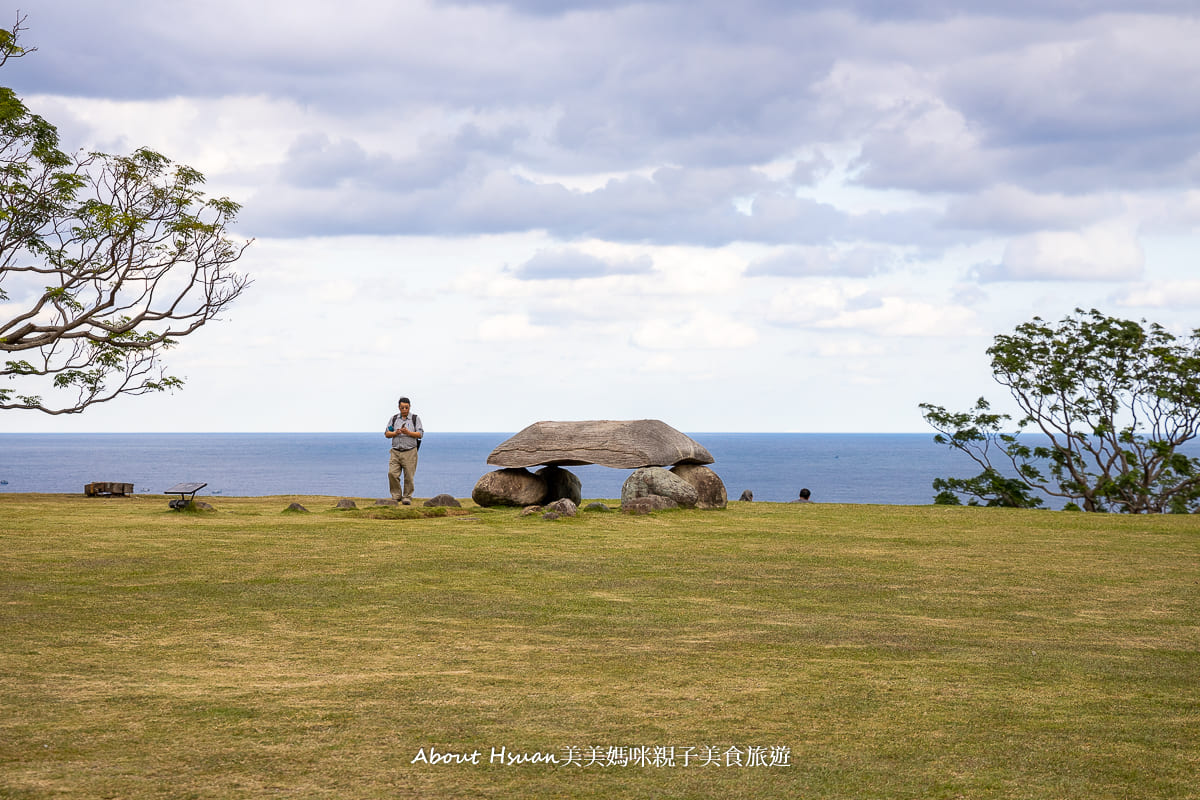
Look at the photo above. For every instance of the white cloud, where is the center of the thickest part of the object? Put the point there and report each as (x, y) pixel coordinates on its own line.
(898, 316)
(336, 292)
(1182, 294)
(910, 137)
(509, 327)
(703, 329)
(852, 262)
(1100, 253)
(850, 348)
(1013, 208)
(810, 303)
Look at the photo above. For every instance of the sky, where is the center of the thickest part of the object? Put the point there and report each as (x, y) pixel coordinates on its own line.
(768, 215)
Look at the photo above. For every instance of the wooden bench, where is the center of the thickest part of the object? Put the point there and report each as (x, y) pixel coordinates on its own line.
(108, 489)
(186, 492)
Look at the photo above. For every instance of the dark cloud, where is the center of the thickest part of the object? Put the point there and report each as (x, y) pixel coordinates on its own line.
(869, 9)
(314, 161)
(940, 98)
(673, 206)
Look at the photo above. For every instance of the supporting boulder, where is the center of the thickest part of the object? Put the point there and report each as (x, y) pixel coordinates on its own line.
(710, 489)
(656, 481)
(560, 483)
(509, 487)
(644, 505)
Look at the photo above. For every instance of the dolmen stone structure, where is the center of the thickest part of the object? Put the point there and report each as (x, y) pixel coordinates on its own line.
(645, 446)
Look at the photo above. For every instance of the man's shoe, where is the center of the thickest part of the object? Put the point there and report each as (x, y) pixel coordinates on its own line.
(406, 502)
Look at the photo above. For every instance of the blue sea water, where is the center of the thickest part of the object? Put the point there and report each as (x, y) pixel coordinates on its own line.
(837, 468)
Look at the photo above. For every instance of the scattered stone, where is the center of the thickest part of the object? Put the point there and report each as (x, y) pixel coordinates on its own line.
(297, 508)
(387, 502)
(644, 505)
(747, 495)
(563, 507)
(346, 502)
(202, 506)
(529, 511)
(596, 507)
(650, 481)
(509, 487)
(710, 489)
(551, 515)
(619, 444)
(560, 483)
(442, 500)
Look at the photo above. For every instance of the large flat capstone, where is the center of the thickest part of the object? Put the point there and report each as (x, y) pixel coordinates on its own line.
(628, 444)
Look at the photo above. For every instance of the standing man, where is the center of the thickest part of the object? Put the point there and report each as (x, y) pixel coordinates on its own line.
(405, 431)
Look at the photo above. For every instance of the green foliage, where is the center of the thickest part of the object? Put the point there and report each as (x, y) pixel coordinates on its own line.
(988, 486)
(109, 260)
(1114, 398)
(979, 433)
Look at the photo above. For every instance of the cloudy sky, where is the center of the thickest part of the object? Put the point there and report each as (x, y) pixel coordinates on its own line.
(766, 215)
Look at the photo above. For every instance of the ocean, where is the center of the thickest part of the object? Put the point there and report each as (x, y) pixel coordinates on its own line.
(836, 468)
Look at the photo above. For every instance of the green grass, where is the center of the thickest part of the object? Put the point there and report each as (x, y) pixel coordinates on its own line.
(888, 652)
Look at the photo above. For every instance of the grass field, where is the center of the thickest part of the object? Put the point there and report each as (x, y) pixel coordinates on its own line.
(835, 651)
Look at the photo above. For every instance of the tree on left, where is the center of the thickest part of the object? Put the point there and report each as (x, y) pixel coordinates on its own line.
(105, 263)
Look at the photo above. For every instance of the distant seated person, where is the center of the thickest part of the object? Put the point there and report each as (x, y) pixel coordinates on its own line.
(805, 497)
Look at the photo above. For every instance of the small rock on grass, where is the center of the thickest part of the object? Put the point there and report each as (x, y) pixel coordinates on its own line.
(562, 507)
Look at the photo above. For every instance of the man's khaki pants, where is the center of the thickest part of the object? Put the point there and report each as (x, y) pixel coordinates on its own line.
(402, 461)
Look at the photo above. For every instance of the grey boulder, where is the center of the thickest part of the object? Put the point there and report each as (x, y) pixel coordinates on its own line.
(562, 507)
(710, 489)
(644, 505)
(509, 487)
(658, 482)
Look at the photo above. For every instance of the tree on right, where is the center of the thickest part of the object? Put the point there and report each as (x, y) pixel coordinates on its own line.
(1114, 401)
